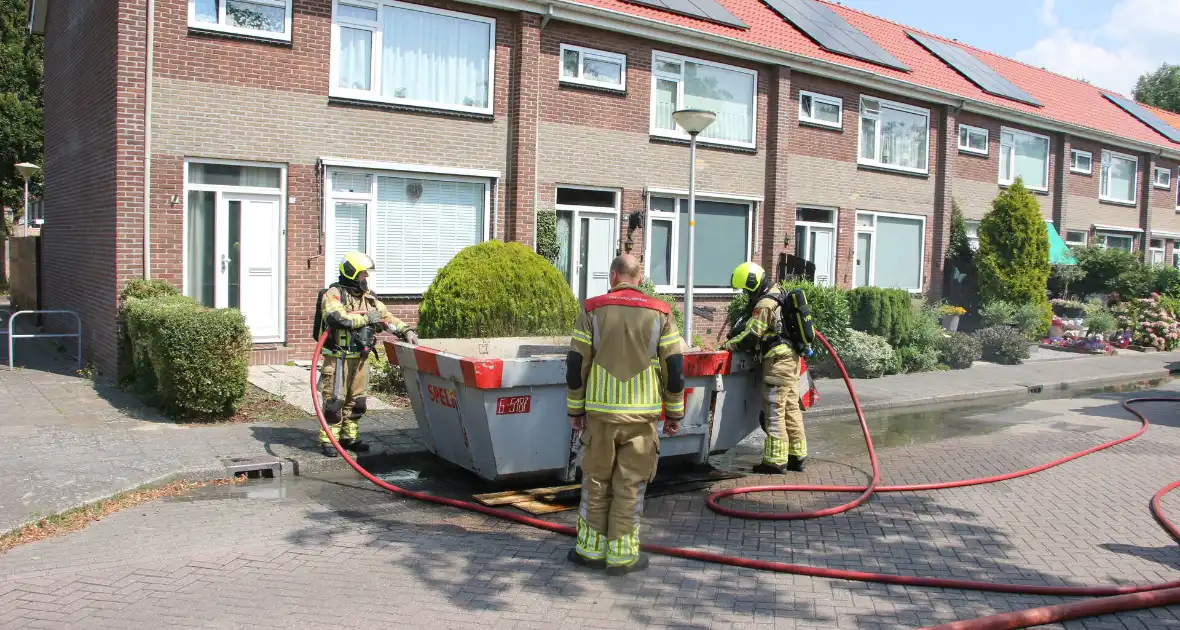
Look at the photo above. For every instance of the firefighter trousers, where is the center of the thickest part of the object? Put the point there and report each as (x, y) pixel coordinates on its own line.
(352, 397)
(618, 461)
(782, 417)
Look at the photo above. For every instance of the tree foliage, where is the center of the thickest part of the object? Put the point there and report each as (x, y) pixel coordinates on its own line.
(1160, 88)
(960, 248)
(21, 117)
(1013, 255)
(1013, 260)
(496, 289)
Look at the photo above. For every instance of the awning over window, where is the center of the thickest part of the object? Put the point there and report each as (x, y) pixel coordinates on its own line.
(1058, 251)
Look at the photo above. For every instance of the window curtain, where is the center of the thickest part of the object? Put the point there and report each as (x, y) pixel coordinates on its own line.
(434, 58)
(899, 253)
(1122, 179)
(661, 252)
(202, 276)
(420, 225)
(720, 243)
(350, 232)
(355, 57)
(1031, 155)
(665, 104)
(565, 239)
(903, 139)
(730, 94)
(232, 175)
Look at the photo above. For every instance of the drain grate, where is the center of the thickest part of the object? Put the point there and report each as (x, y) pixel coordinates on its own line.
(1036, 389)
(254, 467)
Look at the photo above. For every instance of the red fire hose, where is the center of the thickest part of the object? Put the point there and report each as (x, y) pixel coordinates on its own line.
(1115, 598)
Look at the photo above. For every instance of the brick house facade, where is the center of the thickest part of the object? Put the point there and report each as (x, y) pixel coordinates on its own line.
(271, 153)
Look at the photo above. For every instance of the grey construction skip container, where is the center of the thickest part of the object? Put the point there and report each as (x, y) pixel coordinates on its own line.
(497, 406)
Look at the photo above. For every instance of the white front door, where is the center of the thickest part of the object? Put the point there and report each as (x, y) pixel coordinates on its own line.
(817, 244)
(235, 259)
(822, 246)
(260, 260)
(597, 244)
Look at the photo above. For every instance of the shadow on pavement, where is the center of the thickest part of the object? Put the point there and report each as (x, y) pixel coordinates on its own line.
(483, 563)
(1161, 555)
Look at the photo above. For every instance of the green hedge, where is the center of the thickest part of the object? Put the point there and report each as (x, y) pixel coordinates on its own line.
(497, 289)
(187, 359)
(887, 313)
(143, 289)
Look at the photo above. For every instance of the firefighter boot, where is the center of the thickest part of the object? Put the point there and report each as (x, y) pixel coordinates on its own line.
(795, 463)
(356, 446)
(580, 560)
(329, 450)
(764, 468)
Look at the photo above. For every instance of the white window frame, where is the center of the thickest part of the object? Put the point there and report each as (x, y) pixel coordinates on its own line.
(373, 94)
(281, 192)
(1153, 250)
(1155, 179)
(1108, 156)
(834, 225)
(223, 26)
(678, 134)
(674, 253)
(967, 148)
(1103, 236)
(1000, 166)
(804, 118)
(1074, 154)
(887, 104)
(331, 267)
(973, 241)
(873, 259)
(1081, 243)
(603, 55)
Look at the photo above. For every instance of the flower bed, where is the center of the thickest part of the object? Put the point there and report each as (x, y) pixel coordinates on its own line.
(1084, 345)
(1150, 324)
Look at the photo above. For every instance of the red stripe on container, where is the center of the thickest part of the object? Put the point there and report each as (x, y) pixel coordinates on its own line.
(706, 363)
(391, 353)
(427, 360)
(482, 373)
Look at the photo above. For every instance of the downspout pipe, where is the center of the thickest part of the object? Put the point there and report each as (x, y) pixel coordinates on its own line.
(147, 140)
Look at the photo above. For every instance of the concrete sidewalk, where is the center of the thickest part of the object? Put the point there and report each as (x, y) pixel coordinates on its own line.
(66, 441)
(1051, 371)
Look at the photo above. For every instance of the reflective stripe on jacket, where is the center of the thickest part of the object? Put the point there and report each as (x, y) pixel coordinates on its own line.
(624, 339)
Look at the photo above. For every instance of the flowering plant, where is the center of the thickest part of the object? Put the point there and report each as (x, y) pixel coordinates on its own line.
(1149, 323)
(950, 309)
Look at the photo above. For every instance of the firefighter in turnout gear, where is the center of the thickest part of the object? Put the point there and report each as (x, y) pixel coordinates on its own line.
(625, 366)
(763, 336)
(353, 316)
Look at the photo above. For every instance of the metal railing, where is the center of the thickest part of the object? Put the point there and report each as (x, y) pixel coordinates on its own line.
(12, 336)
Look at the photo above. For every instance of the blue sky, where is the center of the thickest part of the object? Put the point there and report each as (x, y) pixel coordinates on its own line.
(1108, 42)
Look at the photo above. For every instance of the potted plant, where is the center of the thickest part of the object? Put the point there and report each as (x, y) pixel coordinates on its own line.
(1068, 309)
(950, 316)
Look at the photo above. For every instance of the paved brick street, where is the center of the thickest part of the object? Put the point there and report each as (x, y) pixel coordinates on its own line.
(329, 551)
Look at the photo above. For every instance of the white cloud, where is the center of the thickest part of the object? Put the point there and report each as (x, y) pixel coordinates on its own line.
(1137, 37)
(1048, 15)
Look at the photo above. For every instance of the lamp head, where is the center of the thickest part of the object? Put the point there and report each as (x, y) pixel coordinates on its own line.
(694, 121)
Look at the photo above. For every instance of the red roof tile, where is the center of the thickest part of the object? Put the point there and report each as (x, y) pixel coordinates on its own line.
(1065, 100)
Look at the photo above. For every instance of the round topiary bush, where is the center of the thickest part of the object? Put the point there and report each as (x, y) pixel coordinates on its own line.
(497, 289)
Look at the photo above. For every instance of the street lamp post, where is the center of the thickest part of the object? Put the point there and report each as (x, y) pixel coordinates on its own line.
(693, 121)
(26, 171)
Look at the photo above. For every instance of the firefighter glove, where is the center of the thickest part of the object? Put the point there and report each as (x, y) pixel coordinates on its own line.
(411, 337)
(374, 316)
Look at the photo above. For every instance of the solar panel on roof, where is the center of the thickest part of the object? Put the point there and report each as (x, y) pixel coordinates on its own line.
(831, 32)
(710, 10)
(1145, 116)
(974, 70)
